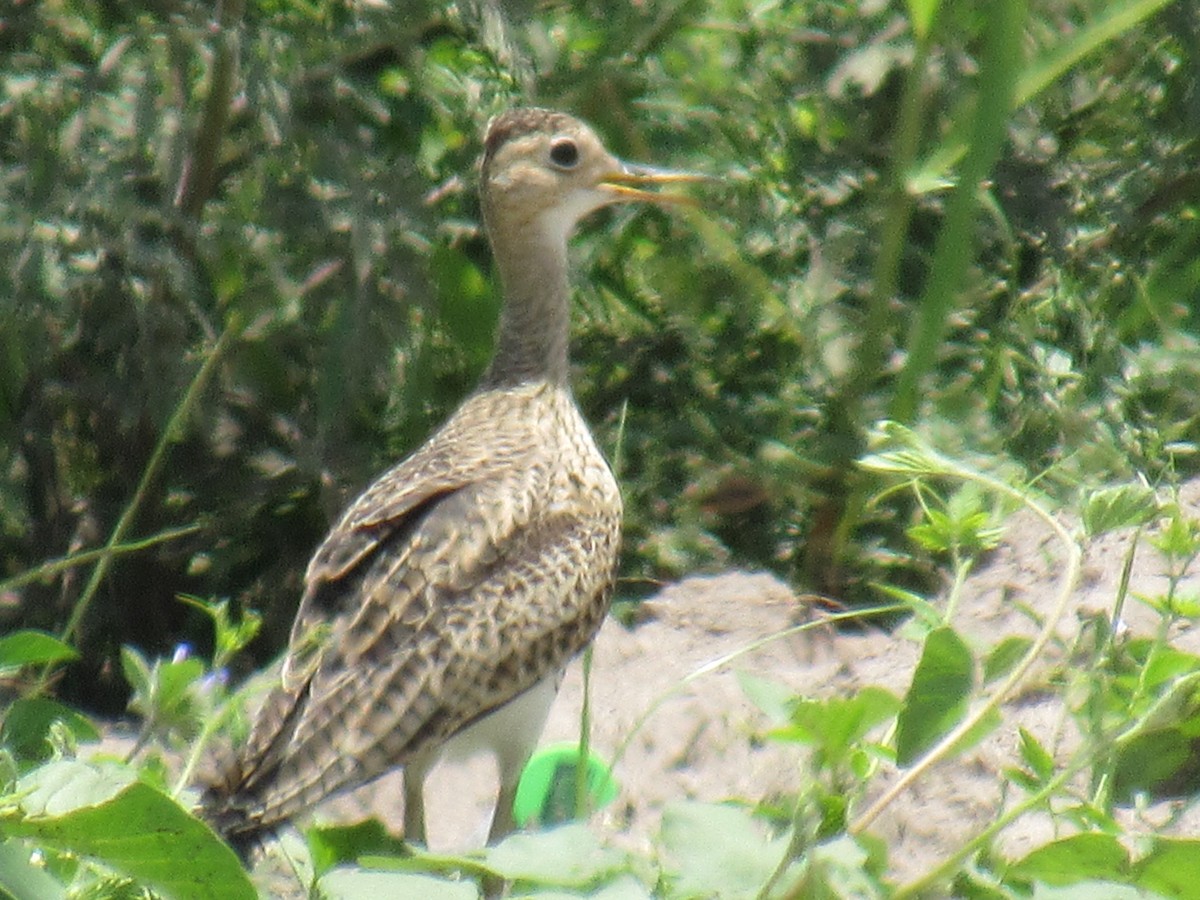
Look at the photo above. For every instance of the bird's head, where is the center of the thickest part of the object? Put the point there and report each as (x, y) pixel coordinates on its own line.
(547, 170)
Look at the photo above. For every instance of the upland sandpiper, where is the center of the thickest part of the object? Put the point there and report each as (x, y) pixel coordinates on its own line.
(439, 613)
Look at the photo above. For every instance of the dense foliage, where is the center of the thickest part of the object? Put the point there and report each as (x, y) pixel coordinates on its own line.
(244, 272)
(295, 187)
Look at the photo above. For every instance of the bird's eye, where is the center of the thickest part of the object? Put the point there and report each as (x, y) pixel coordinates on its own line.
(564, 153)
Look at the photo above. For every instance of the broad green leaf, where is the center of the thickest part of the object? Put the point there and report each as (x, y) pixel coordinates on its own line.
(1161, 762)
(27, 726)
(569, 856)
(1172, 869)
(64, 786)
(130, 828)
(1076, 858)
(938, 696)
(359, 884)
(466, 301)
(1169, 664)
(713, 850)
(31, 648)
(624, 888)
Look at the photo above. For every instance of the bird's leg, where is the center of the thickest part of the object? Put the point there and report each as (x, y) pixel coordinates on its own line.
(503, 823)
(414, 803)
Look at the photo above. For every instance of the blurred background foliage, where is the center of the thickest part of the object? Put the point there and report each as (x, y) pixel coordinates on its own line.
(290, 185)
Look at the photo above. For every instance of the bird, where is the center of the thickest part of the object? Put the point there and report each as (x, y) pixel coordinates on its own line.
(440, 611)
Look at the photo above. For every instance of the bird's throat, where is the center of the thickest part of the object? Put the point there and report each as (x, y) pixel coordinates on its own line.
(535, 317)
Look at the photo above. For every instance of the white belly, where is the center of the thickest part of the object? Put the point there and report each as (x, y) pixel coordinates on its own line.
(511, 732)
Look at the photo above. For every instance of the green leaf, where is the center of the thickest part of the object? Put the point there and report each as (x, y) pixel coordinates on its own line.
(921, 14)
(1076, 858)
(1001, 658)
(965, 525)
(136, 670)
(773, 698)
(332, 845)
(468, 305)
(31, 648)
(27, 724)
(1022, 779)
(713, 850)
(1161, 762)
(64, 786)
(1179, 538)
(349, 883)
(1172, 869)
(1123, 506)
(848, 869)
(938, 696)
(1113, 20)
(834, 725)
(1040, 762)
(569, 856)
(131, 828)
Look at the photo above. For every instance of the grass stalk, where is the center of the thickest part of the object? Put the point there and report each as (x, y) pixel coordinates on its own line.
(999, 70)
(170, 434)
(61, 564)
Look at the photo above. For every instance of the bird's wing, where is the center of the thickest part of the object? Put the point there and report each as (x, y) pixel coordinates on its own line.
(440, 642)
(388, 514)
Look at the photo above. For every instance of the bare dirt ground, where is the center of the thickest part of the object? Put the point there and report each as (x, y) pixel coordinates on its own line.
(698, 743)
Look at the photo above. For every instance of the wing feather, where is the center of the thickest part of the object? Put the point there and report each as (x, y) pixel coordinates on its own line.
(414, 688)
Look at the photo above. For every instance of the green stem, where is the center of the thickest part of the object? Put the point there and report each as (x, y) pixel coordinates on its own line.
(947, 867)
(53, 567)
(200, 173)
(582, 799)
(170, 434)
(211, 726)
(962, 568)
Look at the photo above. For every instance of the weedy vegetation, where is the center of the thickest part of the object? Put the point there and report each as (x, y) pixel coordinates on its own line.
(950, 274)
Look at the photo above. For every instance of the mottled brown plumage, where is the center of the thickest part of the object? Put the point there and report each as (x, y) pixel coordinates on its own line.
(443, 606)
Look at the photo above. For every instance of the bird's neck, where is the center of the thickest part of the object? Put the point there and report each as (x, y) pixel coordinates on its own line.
(535, 317)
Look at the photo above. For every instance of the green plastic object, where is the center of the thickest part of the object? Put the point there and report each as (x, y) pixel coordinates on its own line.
(546, 792)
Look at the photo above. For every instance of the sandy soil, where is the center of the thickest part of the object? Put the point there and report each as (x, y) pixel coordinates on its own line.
(698, 742)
